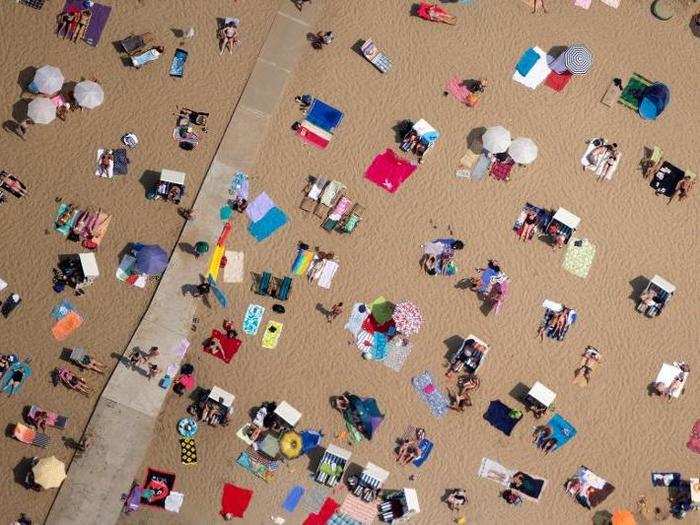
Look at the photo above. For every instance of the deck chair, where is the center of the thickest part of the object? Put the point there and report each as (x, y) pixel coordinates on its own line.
(30, 436)
(331, 194)
(261, 283)
(350, 222)
(310, 200)
(284, 289)
(52, 418)
(340, 210)
(652, 161)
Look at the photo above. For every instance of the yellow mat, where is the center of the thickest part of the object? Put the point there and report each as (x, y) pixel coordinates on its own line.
(215, 262)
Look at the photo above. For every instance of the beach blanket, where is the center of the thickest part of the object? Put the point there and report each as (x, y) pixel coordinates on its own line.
(389, 171)
(61, 309)
(358, 314)
(66, 228)
(558, 81)
(188, 451)
(235, 500)
(7, 384)
(529, 487)
(121, 162)
(501, 170)
(66, 325)
(272, 334)
(98, 20)
(269, 224)
(632, 94)
(314, 499)
(157, 487)
(494, 471)
(52, 418)
(502, 417)
(328, 508)
(233, 271)
(324, 116)
(589, 489)
(578, 259)
(359, 511)
(229, 346)
(694, 439)
(425, 386)
(302, 261)
(293, 498)
(174, 501)
(253, 318)
(327, 273)
(177, 66)
(314, 135)
(535, 72)
(584, 4)
(257, 465)
(426, 447)
(379, 348)
(562, 430)
(259, 207)
(398, 351)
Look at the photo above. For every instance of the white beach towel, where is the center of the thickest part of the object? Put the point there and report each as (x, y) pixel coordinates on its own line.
(668, 373)
(327, 273)
(354, 324)
(174, 501)
(584, 4)
(539, 72)
(109, 172)
(3, 285)
(551, 305)
(494, 471)
(233, 271)
(612, 3)
(181, 348)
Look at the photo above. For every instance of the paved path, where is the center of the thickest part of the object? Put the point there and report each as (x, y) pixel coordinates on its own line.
(122, 424)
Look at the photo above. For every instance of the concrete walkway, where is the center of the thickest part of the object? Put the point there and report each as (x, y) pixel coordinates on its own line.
(122, 424)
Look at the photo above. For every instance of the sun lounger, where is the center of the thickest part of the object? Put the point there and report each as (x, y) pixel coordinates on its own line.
(531, 71)
(253, 318)
(371, 52)
(52, 418)
(310, 200)
(328, 271)
(331, 193)
(272, 334)
(341, 208)
(100, 171)
(30, 436)
(631, 96)
(261, 283)
(133, 44)
(177, 66)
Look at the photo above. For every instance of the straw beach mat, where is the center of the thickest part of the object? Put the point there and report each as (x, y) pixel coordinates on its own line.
(188, 451)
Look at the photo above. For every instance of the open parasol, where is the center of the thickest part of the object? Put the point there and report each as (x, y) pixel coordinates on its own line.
(578, 59)
(523, 151)
(41, 111)
(151, 259)
(48, 80)
(407, 318)
(89, 94)
(496, 139)
(49, 472)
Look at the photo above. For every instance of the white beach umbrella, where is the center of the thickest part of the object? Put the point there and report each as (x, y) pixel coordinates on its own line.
(496, 139)
(48, 80)
(523, 151)
(41, 110)
(89, 94)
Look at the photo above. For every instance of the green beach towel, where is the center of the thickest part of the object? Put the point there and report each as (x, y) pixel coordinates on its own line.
(631, 95)
(578, 259)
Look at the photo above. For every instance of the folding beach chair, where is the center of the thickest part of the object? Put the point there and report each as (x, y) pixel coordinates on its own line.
(284, 289)
(133, 44)
(313, 194)
(372, 53)
(30, 436)
(331, 193)
(350, 222)
(340, 210)
(141, 59)
(261, 283)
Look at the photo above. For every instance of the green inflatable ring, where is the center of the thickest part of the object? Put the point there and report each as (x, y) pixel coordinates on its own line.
(662, 9)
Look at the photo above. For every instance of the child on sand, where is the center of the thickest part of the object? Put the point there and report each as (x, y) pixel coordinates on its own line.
(334, 312)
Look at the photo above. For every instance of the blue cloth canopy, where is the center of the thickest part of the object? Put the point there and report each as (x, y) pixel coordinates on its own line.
(151, 259)
(654, 100)
(363, 414)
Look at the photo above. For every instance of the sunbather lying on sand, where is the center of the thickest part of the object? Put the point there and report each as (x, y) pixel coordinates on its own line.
(214, 347)
(90, 364)
(589, 361)
(556, 323)
(461, 399)
(228, 37)
(528, 226)
(669, 391)
(74, 382)
(12, 184)
(410, 450)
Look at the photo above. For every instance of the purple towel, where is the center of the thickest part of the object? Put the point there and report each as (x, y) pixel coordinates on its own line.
(100, 14)
(257, 209)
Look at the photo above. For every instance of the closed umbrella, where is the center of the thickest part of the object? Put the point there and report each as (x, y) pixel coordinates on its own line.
(407, 318)
(218, 293)
(48, 80)
(523, 151)
(89, 94)
(49, 472)
(41, 111)
(578, 59)
(151, 259)
(496, 139)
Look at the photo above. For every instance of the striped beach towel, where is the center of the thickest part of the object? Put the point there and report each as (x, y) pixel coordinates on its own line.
(425, 386)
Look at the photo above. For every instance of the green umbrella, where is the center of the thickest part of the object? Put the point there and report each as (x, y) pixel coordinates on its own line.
(201, 247)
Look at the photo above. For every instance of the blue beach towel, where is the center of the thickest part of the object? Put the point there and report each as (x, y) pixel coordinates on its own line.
(61, 309)
(65, 229)
(5, 382)
(498, 415)
(293, 497)
(426, 447)
(562, 430)
(253, 318)
(324, 116)
(177, 66)
(436, 400)
(269, 224)
(380, 348)
(527, 61)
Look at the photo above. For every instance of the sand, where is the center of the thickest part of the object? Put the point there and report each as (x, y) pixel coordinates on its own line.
(622, 433)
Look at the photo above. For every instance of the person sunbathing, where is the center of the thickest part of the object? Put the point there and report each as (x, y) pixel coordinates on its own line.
(459, 400)
(341, 403)
(12, 184)
(582, 375)
(89, 363)
(559, 322)
(538, 411)
(63, 22)
(214, 347)
(83, 21)
(409, 450)
(528, 227)
(106, 163)
(456, 499)
(39, 420)
(548, 445)
(409, 141)
(228, 36)
(430, 264)
(685, 186)
(437, 14)
(16, 380)
(76, 383)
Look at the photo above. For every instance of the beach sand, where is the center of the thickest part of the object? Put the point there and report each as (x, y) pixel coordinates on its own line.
(623, 434)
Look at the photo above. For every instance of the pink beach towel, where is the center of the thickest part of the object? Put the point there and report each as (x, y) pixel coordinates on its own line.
(585, 4)
(694, 440)
(389, 171)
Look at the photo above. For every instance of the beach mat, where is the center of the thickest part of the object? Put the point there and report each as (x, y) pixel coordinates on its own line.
(188, 451)
(253, 318)
(66, 325)
(494, 471)
(293, 498)
(361, 511)
(272, 334)
(161, 483)
(631, 95)
(177, 66)
(233, 271)
(329, 507)
(121, 162)
(269, 224)
(398, 354)
(65, 229)
(230, 346)
(235, 500)
(578, 259)
(389, 171)
(425, 386)
(557, 81)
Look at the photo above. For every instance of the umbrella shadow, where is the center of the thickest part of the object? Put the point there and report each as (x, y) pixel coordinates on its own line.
(555, 52)
(21, 472)
(357, 47)
(519, 391)
(322, 309)
(11, 126)
(148, 180)
(401, 128)
(25, 77)
(474, 139)
(20, 109)
(453, 344)
(638, 285)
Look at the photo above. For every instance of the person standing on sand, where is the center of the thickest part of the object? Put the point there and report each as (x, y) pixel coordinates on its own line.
(535, 3)
(334, 312)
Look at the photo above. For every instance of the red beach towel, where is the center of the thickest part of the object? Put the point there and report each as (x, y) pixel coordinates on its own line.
(235, 500)
(230, 346)
(389, 171)
(312, 138)
(324, 514)
(501, 170)
(558, 81)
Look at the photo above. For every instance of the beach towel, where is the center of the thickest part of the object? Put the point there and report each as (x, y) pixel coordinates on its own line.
(6, 382)
(235, 500)
(481, 169)
(61, 309)
(328, 271)
(233, 271)
(302, 262)
(455, 86)
(230, 346)
(665, 479)
(66, 325)
(358, 314)
(500, 415)
(98, 21)
(124, 272)
(389, 171)
(174, 501)
(188, 451)
(379, 348)
(398, 351)
(494, 471)
(324, 514)
(355, 510)
(121, 162)
(611, 95)
(694, 439)
(157, 487)
(314, 499)
(584, 4)
(324, 116)
(632, 93)
(668, 373)
(562, 430)
(466, 164)
(425, 386)
(501, 170)
(293, 498)
(104, 172)
(530, 487)
(66, 228)
(558, 81)
(426, 447)
(30, 436)
(253, 318)
(52, 418)
(578, 259)
(314, 135)
(537, 73)
(258, 207)
(215, 261)
(272, 334)
(527, 61)
(144, 58)
(589, 489)
(269, 224)
(258, 465)
(177, 66)
(612, 3)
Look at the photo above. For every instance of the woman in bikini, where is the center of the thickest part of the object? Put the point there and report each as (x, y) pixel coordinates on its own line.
(528, 226)
(228, 35)
(410, 450)
(582, 375)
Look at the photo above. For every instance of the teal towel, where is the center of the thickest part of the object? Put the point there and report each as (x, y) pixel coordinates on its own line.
(527, 62)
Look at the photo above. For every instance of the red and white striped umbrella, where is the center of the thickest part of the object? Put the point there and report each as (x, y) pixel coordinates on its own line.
(408, 318)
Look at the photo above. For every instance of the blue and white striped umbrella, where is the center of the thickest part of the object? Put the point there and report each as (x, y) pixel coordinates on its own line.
(578, 59)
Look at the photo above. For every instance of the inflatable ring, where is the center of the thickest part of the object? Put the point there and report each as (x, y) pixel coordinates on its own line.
(187, 427)
(290, 445)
